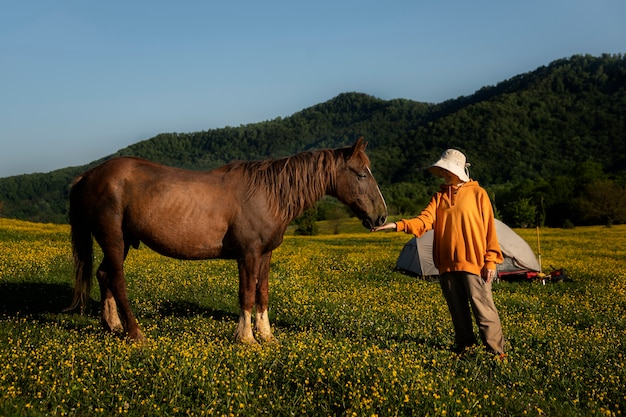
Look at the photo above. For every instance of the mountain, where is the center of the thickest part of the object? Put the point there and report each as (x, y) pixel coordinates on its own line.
(550, 125)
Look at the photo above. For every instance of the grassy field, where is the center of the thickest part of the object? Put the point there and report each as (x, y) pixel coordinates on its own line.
(356, 337)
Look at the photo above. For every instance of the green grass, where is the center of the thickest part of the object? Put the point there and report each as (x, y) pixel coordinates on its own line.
(356, 337)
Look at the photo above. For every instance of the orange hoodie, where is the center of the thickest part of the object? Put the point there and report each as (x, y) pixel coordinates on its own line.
(465, 231)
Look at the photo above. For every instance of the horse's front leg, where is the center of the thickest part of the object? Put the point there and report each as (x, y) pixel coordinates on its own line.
(262, 321)
(248, 276)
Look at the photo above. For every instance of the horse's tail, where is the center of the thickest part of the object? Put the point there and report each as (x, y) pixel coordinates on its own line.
(82, 246)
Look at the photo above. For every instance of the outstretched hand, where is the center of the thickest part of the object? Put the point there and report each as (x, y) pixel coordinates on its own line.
(386, 226)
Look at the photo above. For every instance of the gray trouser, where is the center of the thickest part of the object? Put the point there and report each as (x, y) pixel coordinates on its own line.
(462, 290)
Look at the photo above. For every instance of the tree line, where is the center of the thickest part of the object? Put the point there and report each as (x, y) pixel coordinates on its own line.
(549, 146)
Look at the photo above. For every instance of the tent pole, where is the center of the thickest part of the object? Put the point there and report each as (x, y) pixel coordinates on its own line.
(539, 256)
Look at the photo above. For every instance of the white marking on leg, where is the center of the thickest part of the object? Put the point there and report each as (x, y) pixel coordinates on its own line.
(110, 316)
(262, 324)
(243, 333)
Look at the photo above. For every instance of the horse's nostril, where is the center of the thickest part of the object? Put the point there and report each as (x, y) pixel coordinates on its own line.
(381, 220)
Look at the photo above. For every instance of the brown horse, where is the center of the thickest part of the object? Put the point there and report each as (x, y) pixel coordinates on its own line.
(239, 211)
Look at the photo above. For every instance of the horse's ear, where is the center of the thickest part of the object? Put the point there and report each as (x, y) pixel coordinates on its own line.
(359, 146)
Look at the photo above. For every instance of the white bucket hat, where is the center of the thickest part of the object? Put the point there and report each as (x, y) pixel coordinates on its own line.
(453, 161)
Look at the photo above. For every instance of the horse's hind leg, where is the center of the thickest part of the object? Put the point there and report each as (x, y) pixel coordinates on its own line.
(108, 308)
(113, 292)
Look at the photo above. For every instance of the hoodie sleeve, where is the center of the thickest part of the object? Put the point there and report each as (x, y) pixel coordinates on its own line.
(422, 223)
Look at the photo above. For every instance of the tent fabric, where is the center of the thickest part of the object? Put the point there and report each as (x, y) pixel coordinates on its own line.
(417, 255)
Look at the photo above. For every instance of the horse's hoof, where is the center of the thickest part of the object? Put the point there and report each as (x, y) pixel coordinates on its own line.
(137, 337)
(250, 341)
(115, 328)
(269, 339)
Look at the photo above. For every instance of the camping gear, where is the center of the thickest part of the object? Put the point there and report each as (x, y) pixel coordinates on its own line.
(520, 261)
(558, 275)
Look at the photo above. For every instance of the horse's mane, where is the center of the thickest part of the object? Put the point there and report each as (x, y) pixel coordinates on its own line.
(294, 183)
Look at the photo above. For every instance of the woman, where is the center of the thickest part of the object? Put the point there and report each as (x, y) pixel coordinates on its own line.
(465, 250)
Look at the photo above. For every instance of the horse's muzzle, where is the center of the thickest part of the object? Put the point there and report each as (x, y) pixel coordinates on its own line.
(369, 223)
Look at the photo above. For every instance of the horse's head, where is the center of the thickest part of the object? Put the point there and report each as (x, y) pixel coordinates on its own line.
(356, 187)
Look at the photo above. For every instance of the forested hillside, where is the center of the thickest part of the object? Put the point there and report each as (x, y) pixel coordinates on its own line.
(549, 145)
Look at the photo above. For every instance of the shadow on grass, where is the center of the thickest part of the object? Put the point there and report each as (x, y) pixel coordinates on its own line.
(46, 303)
(39, 299)
(33, 299)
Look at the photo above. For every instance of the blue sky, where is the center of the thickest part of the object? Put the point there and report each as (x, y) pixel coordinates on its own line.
(80, 79)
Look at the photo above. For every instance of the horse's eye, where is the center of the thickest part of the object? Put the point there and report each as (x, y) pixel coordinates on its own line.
(361, 175)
